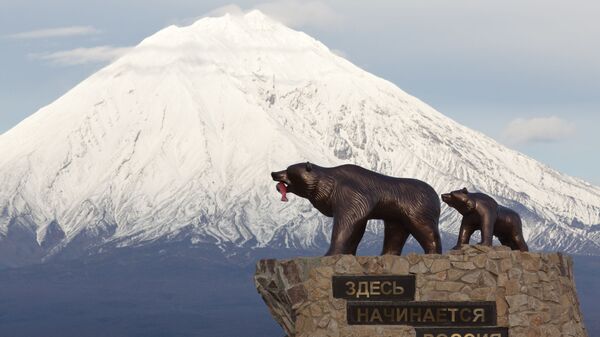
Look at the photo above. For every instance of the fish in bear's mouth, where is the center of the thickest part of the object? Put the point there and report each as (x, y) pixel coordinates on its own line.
(283, 183)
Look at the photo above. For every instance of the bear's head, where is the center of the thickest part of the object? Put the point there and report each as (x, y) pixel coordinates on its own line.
(301, 179)
(459, 200)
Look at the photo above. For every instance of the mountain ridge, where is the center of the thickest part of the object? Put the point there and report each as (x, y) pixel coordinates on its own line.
(176, 140)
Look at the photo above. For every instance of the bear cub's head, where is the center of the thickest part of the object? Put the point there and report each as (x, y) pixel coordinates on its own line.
(300, 179)
(459, 200)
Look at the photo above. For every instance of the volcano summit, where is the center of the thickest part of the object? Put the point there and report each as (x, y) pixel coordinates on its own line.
(174, 141)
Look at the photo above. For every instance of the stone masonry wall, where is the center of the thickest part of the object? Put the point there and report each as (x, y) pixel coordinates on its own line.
(534, 292)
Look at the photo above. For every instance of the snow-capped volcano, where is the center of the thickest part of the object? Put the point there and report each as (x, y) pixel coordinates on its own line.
(177, 138)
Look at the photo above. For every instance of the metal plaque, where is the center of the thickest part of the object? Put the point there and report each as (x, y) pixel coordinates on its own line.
(374, 287)
(422, 313)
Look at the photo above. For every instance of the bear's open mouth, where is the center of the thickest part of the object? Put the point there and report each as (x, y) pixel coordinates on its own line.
(282, 188)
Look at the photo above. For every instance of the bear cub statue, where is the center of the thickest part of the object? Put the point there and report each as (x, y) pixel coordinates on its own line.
(353, 195)
(482, 212)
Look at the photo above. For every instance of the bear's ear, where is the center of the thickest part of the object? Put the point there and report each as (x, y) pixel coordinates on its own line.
(464, 190)
(308, 166)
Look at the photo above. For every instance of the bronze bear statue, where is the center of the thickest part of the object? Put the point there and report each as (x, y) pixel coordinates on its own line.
(353, 195)
(482, 212)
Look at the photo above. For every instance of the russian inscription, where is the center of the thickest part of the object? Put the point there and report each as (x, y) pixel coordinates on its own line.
(462, 332)
(374, 287)
(422, 313)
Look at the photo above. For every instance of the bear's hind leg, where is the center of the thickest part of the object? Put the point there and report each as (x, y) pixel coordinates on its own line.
(508, 241)
(394, 238)
(517, 235)
(428, 237)
(519, 242)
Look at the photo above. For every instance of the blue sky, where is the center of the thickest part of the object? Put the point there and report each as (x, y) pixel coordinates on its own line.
(526, 73)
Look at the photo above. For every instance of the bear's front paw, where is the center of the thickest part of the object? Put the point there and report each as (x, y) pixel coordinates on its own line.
(485, 243)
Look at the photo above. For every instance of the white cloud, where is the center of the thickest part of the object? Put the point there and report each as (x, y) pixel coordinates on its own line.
(295, 13)
(79, 56)
(340, 53)
(292, 13)
(55, 32)
(538, 129)
(231, 9)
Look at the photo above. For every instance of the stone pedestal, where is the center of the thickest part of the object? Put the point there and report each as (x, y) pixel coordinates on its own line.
(534, 293)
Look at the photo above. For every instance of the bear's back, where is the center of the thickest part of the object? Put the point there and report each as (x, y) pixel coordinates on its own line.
(390, 193)
(505, 211)
(357, 174)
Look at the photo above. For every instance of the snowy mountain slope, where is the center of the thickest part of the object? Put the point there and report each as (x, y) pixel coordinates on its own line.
(176, 140)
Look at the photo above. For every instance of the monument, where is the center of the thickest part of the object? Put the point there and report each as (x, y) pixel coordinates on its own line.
(471, 291)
